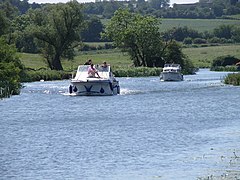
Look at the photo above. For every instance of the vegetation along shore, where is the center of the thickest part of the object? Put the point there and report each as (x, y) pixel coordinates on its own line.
(48, 41)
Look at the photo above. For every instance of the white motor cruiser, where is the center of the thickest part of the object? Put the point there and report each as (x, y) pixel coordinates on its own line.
(83, 84)
(171, 72)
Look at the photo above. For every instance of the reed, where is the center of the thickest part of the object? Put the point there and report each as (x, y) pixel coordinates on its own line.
(224, 68)
(136, 72)
(233, 79)
(5, 90)
(46, 75)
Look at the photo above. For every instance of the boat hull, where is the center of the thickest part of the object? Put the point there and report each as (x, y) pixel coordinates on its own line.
(171, 76)
(95, 88)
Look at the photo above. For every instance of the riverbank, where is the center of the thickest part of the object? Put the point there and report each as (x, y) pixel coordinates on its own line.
(233, 79)
(48, 75)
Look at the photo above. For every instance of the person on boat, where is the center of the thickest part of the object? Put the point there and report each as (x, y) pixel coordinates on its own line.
(105, 65)
(92, 71)
(88, 62)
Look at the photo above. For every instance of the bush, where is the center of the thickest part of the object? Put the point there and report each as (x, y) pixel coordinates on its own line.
(9, 80)
(233, 79)
(187, 40)
(224, 61)
(47, 75)
(214, 40)
(199, 41)
(11, 70)
(226, 68)
(136, 72)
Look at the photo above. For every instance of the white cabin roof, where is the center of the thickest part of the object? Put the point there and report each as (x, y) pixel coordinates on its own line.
(172, 67)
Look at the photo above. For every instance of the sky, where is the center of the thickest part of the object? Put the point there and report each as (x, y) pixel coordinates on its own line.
(64, 1)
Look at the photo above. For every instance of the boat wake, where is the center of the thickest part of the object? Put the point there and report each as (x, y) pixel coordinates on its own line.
(130, 92)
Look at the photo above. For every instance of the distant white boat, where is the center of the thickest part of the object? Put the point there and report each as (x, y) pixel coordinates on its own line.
(82, 84)
(171, 72)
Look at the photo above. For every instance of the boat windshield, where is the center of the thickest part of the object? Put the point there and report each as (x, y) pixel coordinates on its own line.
(84, 68)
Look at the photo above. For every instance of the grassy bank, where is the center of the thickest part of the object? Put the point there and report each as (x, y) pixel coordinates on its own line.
(120, 62)
(200, 56)
(203, 56)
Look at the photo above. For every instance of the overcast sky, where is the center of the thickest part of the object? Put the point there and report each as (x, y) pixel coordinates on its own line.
(56, 1)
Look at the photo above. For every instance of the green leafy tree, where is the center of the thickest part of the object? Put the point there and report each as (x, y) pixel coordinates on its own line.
(11, 70)
(236, 34)
(138, 35)
(24, 38)
(158, 4)
(3, 23)
(58, 27)
(224, 61)
(93, 31)
(223, 31)
(174, 54)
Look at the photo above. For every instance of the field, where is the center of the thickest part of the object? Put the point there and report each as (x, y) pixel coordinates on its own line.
(201, 57)
(200, 25)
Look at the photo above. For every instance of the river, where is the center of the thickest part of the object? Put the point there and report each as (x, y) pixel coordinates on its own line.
(152, 130)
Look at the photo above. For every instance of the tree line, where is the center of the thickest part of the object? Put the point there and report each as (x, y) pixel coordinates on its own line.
(159, 8)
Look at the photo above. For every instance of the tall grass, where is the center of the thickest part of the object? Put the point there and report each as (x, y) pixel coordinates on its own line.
(46, 75)
(136, 72)
(233, 79)
(5, 92)
(225, 68)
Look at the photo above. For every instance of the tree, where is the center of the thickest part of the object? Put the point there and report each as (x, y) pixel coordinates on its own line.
(3, 23)
(158, 4)
(174, 54)
(11, 70)
(93, 30)
(180, 33)
(57, 27)
(138, 35)
(223, 31)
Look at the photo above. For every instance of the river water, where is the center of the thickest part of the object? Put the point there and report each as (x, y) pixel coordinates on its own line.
(152, 130)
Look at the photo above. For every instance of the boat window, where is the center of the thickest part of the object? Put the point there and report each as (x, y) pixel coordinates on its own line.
(83, 68)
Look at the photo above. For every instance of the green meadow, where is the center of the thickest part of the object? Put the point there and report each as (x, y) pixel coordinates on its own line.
(201, 57)
(200, 25)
